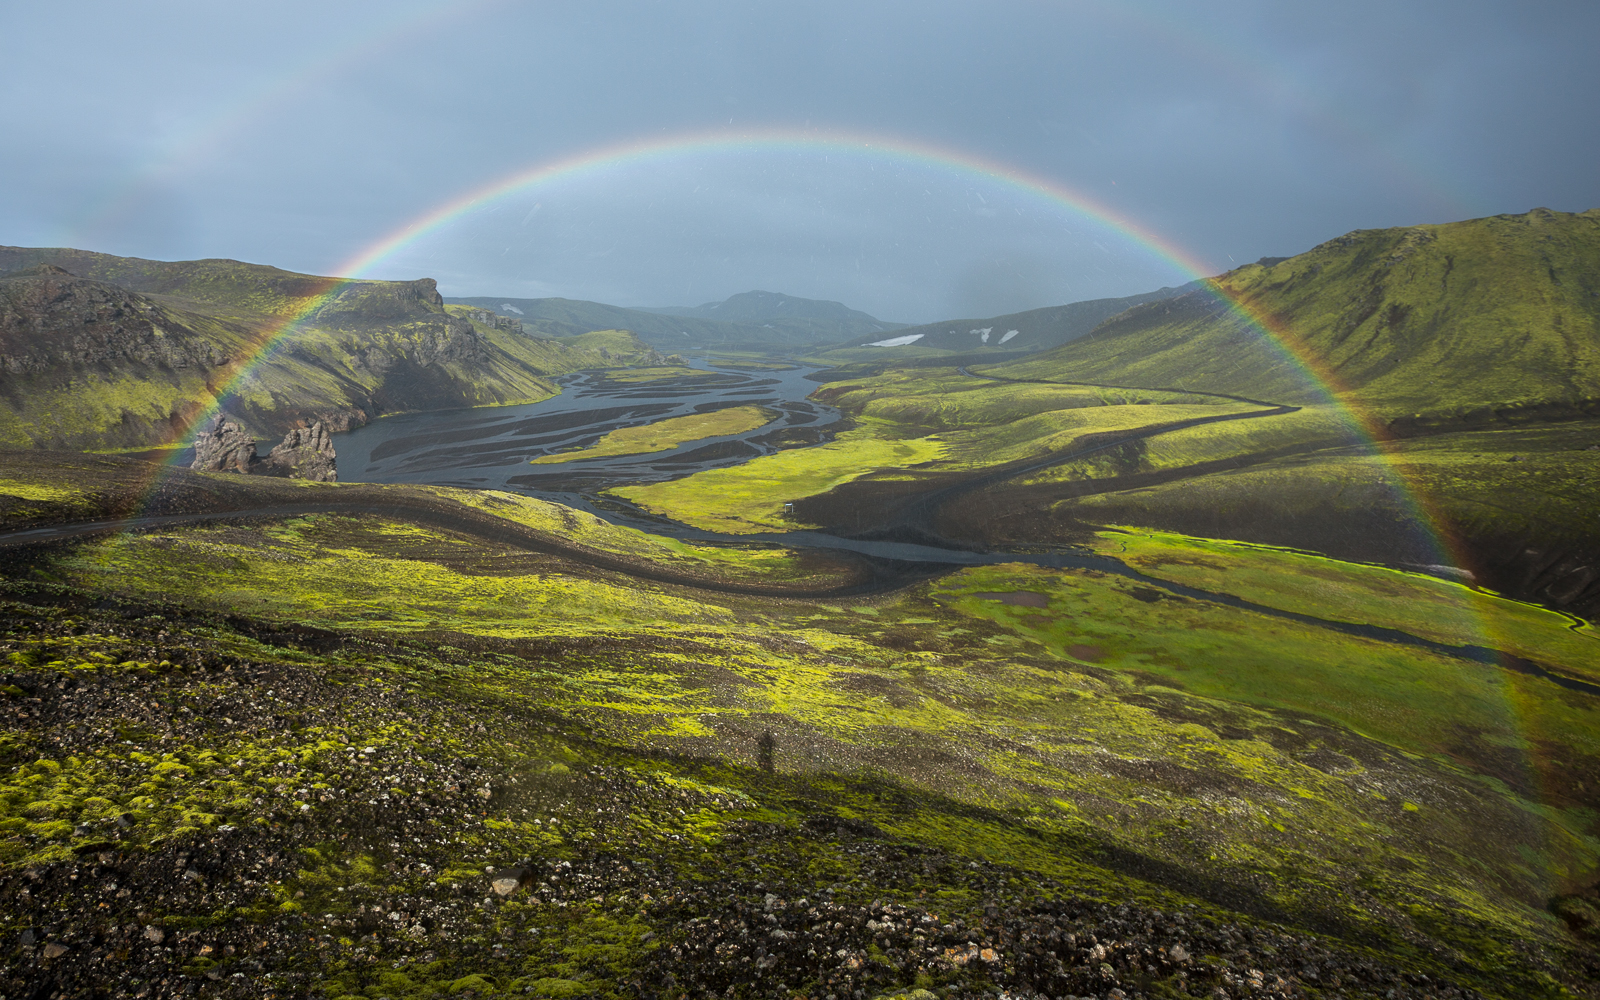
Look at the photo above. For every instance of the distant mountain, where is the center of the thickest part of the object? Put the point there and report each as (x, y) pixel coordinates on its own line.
(810, 321)
(570, 317)
(1444, 321)
(752, 321)
(99, 351)
(1034, 330)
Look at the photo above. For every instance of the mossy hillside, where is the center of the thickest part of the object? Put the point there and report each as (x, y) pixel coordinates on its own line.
(751, 563)
(551, 355)
(220, 286)
(1427, 606)
(1310, 428)
(1451, 319)
(1043, 758)
(750, 498)
(664, 435)
(1484, 488)
(1406, 698)
(355, 350)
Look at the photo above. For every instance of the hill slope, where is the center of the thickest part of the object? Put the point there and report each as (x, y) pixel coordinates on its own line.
(124, 353)
(1441, 321)
(1032, 330)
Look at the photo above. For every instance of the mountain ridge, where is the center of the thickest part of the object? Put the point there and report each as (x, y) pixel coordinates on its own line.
(1413, 322)
(128, 356)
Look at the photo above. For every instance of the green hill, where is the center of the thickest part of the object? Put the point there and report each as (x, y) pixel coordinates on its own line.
(1443, 321)
(111, 352)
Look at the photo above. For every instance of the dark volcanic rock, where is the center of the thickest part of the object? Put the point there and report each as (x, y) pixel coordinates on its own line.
(306, 453)
(54, 322)
(224, 448)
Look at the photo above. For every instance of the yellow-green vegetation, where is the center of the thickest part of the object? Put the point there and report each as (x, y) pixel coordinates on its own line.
(32, 491)
(752, 364)
(944, 398)
(751, 497)
(1529, 482)
(1433, 321)
(346, 586)
(1074, 728)
(1332, 589)
(744, 563)
(655, 373)
(1312, 426)
(934, 421)
(664, 435)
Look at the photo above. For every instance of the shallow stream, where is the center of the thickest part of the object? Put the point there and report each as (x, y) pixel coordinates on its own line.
(489, 448)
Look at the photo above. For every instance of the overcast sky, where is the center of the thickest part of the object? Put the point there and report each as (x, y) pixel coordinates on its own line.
(303, 134)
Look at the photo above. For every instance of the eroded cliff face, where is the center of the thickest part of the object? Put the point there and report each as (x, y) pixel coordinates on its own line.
(305, 453)
(54, 323)
(85, 363)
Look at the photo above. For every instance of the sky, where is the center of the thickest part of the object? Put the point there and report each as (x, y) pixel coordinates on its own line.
(919, 160)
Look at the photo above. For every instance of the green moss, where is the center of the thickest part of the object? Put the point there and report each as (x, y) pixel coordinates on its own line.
(1332, 589)
(751, 497)
(664, 435)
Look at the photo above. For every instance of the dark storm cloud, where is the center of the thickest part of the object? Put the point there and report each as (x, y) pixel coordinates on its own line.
(297, 134)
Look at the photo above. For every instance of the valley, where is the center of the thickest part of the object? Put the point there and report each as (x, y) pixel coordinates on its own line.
(1241, 644)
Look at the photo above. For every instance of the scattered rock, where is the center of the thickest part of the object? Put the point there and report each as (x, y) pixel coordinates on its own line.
(55, 949)
(508, 880)
(154, 934)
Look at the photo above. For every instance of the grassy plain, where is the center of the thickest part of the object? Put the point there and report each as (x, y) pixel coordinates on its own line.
(664, 435)
(1442, 610)
(751, 497)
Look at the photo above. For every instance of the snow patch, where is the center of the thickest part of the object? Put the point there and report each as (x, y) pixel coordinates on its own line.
(910, 338)
(1008, 336)
(510, 308)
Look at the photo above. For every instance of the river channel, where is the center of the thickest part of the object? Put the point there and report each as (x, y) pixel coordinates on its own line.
(490, 447)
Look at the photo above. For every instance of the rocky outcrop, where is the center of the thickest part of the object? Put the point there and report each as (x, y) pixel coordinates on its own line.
(494, 320)
(305, 453)
(225, 447)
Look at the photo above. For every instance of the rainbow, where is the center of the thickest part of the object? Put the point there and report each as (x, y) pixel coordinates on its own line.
(1364, 427)
(901, 151)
